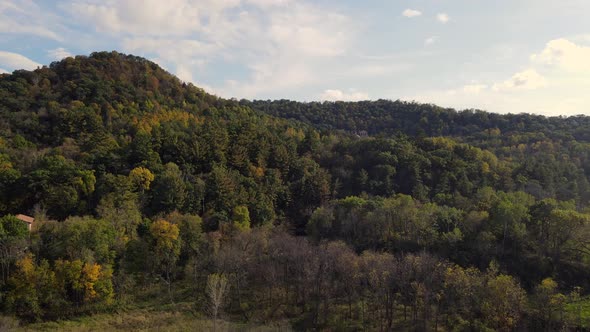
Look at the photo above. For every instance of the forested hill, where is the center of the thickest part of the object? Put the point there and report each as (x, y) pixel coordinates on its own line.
(71, 130)
(415, 119)
(436, 213)
(536, 148)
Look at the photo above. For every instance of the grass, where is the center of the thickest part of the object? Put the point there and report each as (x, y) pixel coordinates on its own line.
(151, 313)
(149, 319)
(149, 310)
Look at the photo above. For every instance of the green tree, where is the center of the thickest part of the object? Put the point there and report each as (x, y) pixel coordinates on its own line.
(122, 212)
(60, 186)
(169, 191)
(33, 291)
(14, 236)
(548, 305)
(241, 218)
(504, 302)
(320, 224)
(79, 238)
(193, 242)
(12, 227)
(83, 282)
(8, 178)
(165, 248)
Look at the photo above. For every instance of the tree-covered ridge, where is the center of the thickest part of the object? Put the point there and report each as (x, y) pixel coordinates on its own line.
(416, 119)
(70, 127)
(142, 183)
(545, 156)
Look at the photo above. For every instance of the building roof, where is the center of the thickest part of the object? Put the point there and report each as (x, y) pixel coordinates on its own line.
(26, 219)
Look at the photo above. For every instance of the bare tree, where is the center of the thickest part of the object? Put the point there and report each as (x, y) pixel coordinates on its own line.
(217, 287)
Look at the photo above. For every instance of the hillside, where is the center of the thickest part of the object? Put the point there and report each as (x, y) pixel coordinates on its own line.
(95, 118)
(280, 209)
(529, 143)
(385, 117)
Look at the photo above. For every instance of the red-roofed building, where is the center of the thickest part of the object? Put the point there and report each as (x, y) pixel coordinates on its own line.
(26, 219)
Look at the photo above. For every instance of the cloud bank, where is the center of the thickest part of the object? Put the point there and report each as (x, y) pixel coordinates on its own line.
(16, 61)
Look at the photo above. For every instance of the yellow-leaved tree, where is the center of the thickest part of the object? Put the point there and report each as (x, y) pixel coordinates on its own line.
(141, 178)
(165, 249)
(84, 282)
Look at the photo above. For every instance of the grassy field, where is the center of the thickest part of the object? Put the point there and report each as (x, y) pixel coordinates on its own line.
(178, 317)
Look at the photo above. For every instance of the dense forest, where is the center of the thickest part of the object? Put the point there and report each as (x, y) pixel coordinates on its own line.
(381, 215)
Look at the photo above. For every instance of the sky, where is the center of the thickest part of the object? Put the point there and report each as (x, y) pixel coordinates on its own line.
(504, 56)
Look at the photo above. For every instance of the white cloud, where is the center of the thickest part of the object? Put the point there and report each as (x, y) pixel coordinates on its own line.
(339, 95)
(147, 17)
(209, 89)
(272, 77)
(377, 68)
(309, 33)
(184, 73)
(292, 49)
(3, 71)
(171, 50)
(474, 88)
(8, 25)
(411, 13)
(269, 3)
(281, 42)
(59, 53)
(430, 40)
(563, 100)
(27, 18)
(17, 61)
(443, 18)
(529, 79)
(564, 54)
(560, 65)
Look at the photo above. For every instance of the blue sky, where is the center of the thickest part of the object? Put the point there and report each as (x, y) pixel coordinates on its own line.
(502, 56)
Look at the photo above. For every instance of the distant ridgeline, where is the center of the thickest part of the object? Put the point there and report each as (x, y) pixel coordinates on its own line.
(127, 159)
(386, 117)
(537, 149)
